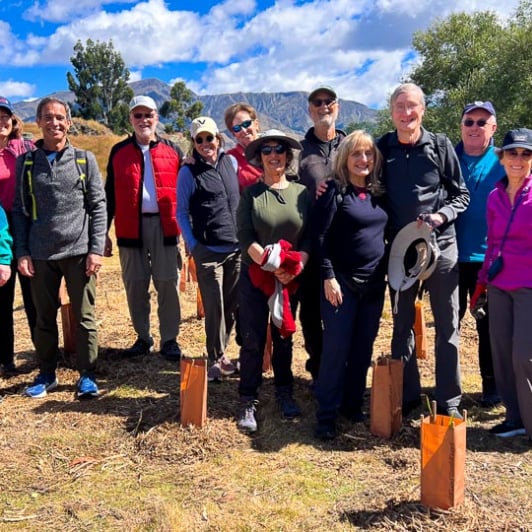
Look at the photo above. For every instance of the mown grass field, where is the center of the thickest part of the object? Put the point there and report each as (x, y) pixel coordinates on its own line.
(123, 462)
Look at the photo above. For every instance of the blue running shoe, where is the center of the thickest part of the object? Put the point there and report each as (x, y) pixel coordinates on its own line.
(43, 383)
(87, 387)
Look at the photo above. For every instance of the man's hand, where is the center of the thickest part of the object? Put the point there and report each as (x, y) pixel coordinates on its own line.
(25, 266)
(434, 220)
(93, 264)
(5, 273)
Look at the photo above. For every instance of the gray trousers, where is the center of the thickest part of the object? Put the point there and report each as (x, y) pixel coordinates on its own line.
(218, 275)
(442, 287)
(511, 344)
(158, 262)
(82, 292)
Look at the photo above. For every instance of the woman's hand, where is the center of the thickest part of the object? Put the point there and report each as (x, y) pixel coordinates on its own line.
(283, 276)
(333, 292)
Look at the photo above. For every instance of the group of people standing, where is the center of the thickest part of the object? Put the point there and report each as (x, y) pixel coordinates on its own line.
(276, 225)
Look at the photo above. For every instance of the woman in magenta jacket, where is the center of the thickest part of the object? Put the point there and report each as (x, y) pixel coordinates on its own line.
(506, 277)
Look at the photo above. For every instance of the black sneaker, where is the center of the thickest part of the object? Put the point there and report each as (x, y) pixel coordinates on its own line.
(508, 429)
(171, 350)
(288, 405)
(325, 431)
(410, 406)
(139, 348)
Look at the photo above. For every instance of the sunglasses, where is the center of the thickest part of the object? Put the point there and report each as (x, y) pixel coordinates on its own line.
(139, 116)
(208, 138)
(278, 148)
(238, 127)
(318, 102)
(513, 154)
(469, 122)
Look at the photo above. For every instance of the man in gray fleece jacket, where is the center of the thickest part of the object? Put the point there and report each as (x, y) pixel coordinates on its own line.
(59, 227)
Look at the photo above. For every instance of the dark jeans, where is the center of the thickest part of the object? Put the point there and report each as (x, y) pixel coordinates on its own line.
(467, 283)
(348, 336)
(7, 297)
(254, 315)
(309, 299)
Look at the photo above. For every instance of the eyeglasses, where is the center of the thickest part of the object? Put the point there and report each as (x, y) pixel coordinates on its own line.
(405, 108)
(514, 154)
(147, 116)
(278, 148)
(469, 122)
(208, 138)
(318, 102)
(238, 127)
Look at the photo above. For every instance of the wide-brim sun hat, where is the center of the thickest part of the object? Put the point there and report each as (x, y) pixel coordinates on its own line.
(413, 256)
(252, 150)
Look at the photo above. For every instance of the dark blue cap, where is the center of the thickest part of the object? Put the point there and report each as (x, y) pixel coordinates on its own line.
(487, 106)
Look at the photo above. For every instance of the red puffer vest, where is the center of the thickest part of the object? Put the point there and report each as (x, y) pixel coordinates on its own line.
(125, 170)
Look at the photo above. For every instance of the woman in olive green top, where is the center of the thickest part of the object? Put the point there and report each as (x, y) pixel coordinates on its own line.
(271, 210)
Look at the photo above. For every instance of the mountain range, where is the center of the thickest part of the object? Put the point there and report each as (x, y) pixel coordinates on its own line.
(282, 110)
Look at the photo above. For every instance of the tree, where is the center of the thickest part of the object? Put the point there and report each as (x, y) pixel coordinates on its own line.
(100, 83)
(476, 57)
(181, 107)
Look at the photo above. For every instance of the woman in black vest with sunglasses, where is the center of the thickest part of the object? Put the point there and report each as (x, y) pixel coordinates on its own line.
(207, 200)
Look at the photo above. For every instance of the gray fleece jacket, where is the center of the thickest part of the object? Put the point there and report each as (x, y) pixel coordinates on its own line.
(65, 216)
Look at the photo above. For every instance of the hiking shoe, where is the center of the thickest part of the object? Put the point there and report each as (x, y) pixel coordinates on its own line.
(247, 422)
(288, 406)
(87, 387)
(171, 350)
(214, 373)
(451, 411)
(508, 429)
(489, 400)
(43, 383)
(325, 431)
(139, 348)
(226, 366)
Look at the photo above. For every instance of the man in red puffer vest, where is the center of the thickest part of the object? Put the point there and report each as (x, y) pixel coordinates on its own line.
(141, 197)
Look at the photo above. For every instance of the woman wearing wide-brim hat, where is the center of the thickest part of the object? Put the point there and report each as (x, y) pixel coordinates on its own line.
(271, 211)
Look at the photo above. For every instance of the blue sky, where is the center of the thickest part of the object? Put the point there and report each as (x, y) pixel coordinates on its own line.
(361, 48)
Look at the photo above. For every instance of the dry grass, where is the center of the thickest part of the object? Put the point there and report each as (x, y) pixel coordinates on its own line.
(123, 462)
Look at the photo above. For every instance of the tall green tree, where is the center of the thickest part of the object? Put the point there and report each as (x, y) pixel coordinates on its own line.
(466, 57)
(181, 107)
(100, 83)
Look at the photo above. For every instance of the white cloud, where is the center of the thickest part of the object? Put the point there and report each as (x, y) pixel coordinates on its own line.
(362, 47)
(63, 11)
(16, 89)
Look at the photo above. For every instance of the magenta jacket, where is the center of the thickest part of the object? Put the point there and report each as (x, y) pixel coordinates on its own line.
(517, 250)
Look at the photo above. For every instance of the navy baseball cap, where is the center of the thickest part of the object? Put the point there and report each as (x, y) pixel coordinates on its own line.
(6, 104)
(518, 138)
(487, 106)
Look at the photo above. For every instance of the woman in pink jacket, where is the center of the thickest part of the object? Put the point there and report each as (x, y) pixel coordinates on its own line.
(506, 278)
(11, 146)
